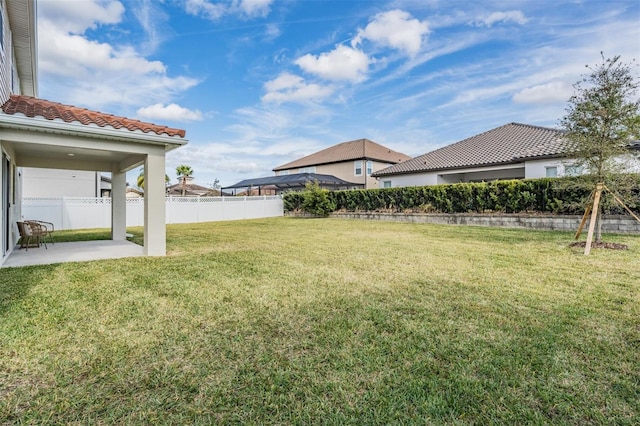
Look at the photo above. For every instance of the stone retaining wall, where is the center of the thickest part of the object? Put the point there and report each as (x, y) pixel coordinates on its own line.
(611, 224)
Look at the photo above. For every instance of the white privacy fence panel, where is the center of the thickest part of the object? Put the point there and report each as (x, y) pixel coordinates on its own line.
(81, 212)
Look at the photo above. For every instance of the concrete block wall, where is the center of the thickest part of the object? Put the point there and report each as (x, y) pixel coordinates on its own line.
(610, 224)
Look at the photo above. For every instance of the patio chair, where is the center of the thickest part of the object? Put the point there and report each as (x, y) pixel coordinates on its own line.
(47, 227)
(31, 235)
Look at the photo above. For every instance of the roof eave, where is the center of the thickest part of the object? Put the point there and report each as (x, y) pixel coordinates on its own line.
(469, 166)
(20, 122)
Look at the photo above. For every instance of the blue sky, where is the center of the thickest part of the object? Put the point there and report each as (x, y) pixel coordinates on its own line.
(258, 83)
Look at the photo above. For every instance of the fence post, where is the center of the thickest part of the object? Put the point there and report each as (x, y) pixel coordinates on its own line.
(63, 208)
(169, 201)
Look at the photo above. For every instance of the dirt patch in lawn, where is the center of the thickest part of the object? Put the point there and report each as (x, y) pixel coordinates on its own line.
(612, 246)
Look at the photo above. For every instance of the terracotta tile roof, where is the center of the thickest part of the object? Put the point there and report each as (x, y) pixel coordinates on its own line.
(34, 107)
(513, 142)
(346, 151)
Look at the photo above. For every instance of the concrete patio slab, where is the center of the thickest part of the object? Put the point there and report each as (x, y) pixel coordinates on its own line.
(73, 252)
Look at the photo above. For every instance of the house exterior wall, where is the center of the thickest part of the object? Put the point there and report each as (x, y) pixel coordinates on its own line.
(9, 177)
(60, 183)
(478, 174)
(538, 168)
(6, 56)
(414, 179)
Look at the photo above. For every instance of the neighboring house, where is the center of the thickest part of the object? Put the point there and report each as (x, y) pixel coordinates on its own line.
(353, 161)
(43, 134)
(53, 183)
(191, 189)
(134, 192)
(512, 151)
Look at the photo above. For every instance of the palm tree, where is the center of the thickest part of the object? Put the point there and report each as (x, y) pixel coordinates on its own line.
(183, 173)
(140, 181)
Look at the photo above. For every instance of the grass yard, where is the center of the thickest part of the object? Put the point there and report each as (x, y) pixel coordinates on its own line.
(305, 321)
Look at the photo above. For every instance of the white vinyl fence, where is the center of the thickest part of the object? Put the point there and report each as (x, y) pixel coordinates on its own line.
(83, 212)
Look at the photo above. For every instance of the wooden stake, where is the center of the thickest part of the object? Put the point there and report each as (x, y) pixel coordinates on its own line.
(594, 215)
(622, 204)
(587, 211)
(584, 218)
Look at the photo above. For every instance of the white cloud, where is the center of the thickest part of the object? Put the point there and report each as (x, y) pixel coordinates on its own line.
(292, 88)
(504, 17)
(243, 8)
(342, 63)
(396, 29)
(75, 17)
(208, 10)
(75, 69)
(272, 32)
(153, 20)
(173, 112)
(549, 93)
(254, 8)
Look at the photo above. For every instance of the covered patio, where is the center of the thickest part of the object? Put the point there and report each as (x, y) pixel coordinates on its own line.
(39, 133)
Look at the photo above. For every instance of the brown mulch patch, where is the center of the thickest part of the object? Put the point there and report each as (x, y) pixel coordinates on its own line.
(612, 246)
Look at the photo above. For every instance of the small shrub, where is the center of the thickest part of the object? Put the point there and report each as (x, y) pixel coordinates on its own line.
(316, 200)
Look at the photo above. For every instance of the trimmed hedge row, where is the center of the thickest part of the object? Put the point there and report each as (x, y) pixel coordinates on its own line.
(548, 195)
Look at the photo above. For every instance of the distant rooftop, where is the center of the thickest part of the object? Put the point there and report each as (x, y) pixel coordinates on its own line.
(346, 151)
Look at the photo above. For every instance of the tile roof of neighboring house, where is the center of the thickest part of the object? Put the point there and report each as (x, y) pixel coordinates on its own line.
(511, 143)
(34, 107)
(345, 151)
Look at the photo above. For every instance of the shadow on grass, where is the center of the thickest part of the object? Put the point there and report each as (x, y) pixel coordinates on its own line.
(72, 236)
(16, 283)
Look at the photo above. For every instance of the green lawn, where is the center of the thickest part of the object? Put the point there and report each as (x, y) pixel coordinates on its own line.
(327, 321)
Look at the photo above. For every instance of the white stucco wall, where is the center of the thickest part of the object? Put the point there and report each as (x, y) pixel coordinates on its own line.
(463, 175)
(417, 179)
(538, 168)
(59, 183)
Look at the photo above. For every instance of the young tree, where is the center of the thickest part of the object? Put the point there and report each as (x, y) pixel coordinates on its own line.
(602, 119)
(183, 173)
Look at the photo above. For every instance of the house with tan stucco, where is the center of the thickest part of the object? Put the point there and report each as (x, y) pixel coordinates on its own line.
(353, 161)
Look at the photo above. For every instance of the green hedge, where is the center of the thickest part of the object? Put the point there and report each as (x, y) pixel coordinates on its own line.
(548, 195)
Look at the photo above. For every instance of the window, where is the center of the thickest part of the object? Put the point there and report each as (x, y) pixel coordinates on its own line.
(369, 168)
(307, 169)
(283, 173)
(357, 167)
(551, 171)
(386, 184)
(573, 170)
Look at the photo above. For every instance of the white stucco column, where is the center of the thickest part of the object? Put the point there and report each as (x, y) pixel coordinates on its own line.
(118, 205)
(155, 243)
